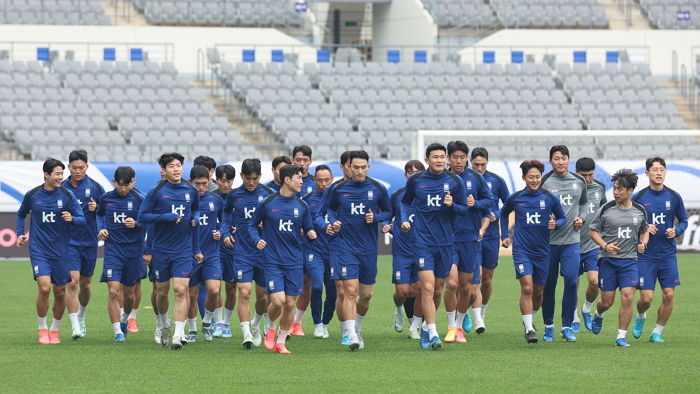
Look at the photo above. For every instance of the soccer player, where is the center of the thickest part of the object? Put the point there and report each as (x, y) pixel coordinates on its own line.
(565, 241)
(405, 274)
(317, 265)
(436, 197)
(468, 234)
(537, 213)
(54, 210)
(173, 206)
(225, 174)
(82, 252)
(301, 156)
(123, 236)
(277, 163)
(209, 271)
(491, 243)
(355, 207)
(585, 167)
(663, 205)
(283, 216)
(239, 208)
(620, 229)
(210, 164)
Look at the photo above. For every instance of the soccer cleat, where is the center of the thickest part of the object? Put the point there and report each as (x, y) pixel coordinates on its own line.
(164, 336)
(398, 321)
(54, 338)
(414, 334)
(435, 343)
(451, 333)
(656, 338)
(83, 329)
(567, 333)
(124, 328)
(467, 323)
(326, 334)
(354, 343)
(480, 327)
(621, 342)
(44, 337)
(248, 341)
(120, 338)
(459, 337)
(548, 334)
(76, 333)
(270, 335)
(318, 331)
(362, 341)
(132, 327)
(281, 348)
(587, 320)
(226, 331)
(218, 331)
(638, 327)
(344, 341)
(192, 336)
(257, 337)
(596, 324)
(176, 343)
(424, 339)
(206, 332)
(531, 336)
(296, 330)
(156, 335)
(575, 327)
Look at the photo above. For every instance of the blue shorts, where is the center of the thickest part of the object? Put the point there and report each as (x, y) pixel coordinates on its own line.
(438, 259)
(279, 277)
(248, 268)
(143, 270)
(151, 272)
(616, 274)
(83, 259)
(57, 269)
(210, 269)
(126, 270)
(314, 264)
(538, 267)
(171, 265)
(489, 253)
(589, 261)
(404, 271)
(348, 266)
(469, 259)
(665, 270)
(228, 273)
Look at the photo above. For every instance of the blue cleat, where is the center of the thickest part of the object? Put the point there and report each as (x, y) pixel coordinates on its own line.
(226, 331)
(656, 338)
(638, 327)
(587, 320)
(123, 326)
(467, 323)
(576, 327)
(596, 324)
(345, 341)
(218, 331)
(120, 338)
(435, 343)
(621, 342)
(424, 339)
(548, 334)
(207, 332)
(192, 336)
(568, 334)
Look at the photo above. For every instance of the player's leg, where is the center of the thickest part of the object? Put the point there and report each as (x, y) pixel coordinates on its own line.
(648, 271)
(114, 288)
(59, 305)
(451, 295)
(625, 317)
(294, 286)
(399, 266)
(367, 278)
(550, 288)
(181, 290)
(192, 306)
(275, 308)
(340, 297)
(244, 290)
(329, 304)
(463, 302)
(210, 304)
(261, 313)
(570, 262)
(414, 330)
(489, 261)
(42, 306)
(303, 302)
(525, 303)
(315, 273)
(131, 319)
(221, 321)
(350, 292)
(427, 302)
(668, 278)
(589, 265)
(608, 284)
(475, 289)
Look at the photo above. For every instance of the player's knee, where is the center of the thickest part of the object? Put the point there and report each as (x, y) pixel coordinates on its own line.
(113, 292)
(668, 296)
(44, 289)
(526, 290)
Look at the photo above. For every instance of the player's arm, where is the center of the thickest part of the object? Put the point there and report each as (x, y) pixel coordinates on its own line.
(559, 215)
(146, 214)
(682, 216)
(485, 198)
(459, 201)
(252, 228)
(504, 213)
(22, 213)
(307, 223)
(76, 213)
(502, 195)
(227, 216)
(385, 206)
(332, 206)
(194, 217)
(407, 200)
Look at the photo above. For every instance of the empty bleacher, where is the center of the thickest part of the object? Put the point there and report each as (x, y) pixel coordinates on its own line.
(52, 12)
(672, 14)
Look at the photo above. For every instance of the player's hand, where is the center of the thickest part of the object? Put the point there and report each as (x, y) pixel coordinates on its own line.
(552, 224)
(21, 240)
(199, 257)
(216, 234)
(178, 220)
(369, 216)
(578, 223)
(261, 244)
(470, 200)
(448, 200)
(481, 234)
(505, 243)
(130, 222)
(311, 235)
(405, 227)
(228, 242)
(233, 230)
(386, 228)
(329, 230)
(147, 258)
(92, 205)
(336, 226)
(492, 217)
(67, 216)
(653, 229)
(103, 235)
(612, 248)
(74, 277)
(670, 233)
(641, 247)
(193, 223)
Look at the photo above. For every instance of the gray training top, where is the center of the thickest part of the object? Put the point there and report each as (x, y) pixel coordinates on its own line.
(622, 226)
(571, 190)
(596, 198)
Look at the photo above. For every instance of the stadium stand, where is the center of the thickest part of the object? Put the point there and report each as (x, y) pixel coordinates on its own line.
(462, 13)
(672, 14)
(53, 12)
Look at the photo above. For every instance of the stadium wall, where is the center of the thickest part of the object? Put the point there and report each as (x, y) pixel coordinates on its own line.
(403, 23)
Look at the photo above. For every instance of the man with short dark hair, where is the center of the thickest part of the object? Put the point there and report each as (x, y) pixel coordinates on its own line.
(277, 163)
(225, 174)
(210, 164)
(301, 156)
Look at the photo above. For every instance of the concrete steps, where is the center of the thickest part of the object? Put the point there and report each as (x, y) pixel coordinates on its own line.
(691, 118)
(123, 13)
(618, 17)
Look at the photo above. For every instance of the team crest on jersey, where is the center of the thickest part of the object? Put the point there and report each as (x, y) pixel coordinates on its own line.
(490, 185)
(575, 186)
(311, 257)
(87, 192)
(469, 185)
(668, 205)
(187, 197)
(308, 189)
(59, 203)
(597, 195)
(543, 205)
(370, 195)
(296, 212)
(129, 205)
(635, 221)
(260, 198)
(446, 187)
(211, 206)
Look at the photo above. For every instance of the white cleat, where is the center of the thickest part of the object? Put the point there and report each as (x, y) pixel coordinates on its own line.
(360, 340)
(354, 342)
(77, 333)
(256, 336)
(176, 343)
(398, 321)
(248, 341)
(156, 335)
(318, 331)
(326, 334)
(414, 334)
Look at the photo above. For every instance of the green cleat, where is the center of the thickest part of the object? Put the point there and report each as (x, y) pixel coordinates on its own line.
(656, 338)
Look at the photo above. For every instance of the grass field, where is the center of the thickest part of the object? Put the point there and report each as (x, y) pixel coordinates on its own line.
(499, 360)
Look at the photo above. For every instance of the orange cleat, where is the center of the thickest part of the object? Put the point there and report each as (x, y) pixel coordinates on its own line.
(296, 330)
(451, 333)
(44, 337)
(131, 325)
(270, 335)
(53, 338)
(459, 337)
(281, 348)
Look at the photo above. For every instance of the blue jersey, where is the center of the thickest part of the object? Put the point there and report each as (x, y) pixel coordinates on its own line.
(87, 188)
(223, 250)
(210, 207)
(239, 208)
(499, 189)
(663, 208)
(162, 206)
(320, 245)
(275, 187)
(401, 241)
(308, 185)
(112, 210)
(283, 218)
(467, 229)
(532, 212)
(348, 203)
(433, 222)
(49, 234)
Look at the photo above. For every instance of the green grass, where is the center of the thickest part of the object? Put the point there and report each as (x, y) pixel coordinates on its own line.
(499, 360)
